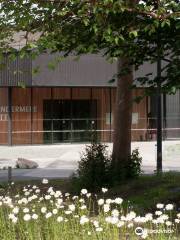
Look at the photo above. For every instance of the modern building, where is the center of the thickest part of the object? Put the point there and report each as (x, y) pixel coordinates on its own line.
(64, 105)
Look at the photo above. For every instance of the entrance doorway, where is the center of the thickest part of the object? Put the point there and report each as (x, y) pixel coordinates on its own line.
(69, 121)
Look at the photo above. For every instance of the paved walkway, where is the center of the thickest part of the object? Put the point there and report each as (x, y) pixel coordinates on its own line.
(59, 161)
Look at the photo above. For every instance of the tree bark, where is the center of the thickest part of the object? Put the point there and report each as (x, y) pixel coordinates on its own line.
(122, 123)
(122, 120)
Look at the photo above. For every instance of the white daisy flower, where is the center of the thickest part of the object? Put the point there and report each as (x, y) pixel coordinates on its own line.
(177, 220)
(68, 212)
(84, 191)
(84, 219)
(168, 223)
(160, 206)
(43, 209)
(14, 220)
(15, 210)
(115, 213)
(104, 190)
(118, 200)
(45, 181)
(60, 219)
(55, 211)
(99, 229)
(100, 202)
(25, 210)
(72, 207)
(34, 216)
(83, 207)
(48, 215)
(27, 217)
(158, 213)
(169, 207)
(106, 208)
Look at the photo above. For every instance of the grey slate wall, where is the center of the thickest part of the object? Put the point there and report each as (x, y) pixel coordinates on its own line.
(89, 70)
(15, 72)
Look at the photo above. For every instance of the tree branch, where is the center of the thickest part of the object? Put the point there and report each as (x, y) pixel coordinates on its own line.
(166, 60)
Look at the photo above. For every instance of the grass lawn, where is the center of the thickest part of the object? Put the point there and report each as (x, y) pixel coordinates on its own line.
(32, 210)
(143, 193)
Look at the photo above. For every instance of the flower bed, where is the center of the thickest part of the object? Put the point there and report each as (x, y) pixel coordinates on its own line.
(45, 213)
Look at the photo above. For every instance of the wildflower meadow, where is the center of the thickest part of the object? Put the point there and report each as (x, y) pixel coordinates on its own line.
(43, 213)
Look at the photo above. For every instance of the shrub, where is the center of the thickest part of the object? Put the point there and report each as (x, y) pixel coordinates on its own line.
(124, 170)
(134, 164)
(93, 167)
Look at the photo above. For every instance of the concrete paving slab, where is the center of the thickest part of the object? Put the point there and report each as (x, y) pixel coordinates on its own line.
(38, 174)
(59, 161)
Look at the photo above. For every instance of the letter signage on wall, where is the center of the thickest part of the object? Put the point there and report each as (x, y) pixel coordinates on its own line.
(15, 109)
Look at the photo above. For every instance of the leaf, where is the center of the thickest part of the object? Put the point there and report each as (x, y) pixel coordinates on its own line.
(138, 99)
(22, 84)
(32, 45)
(95, 28)
(121, 37)
(86, 21)
(173, 90)
(116, 40)
(35, 70)
(133, 33)
(52, 66)
(165, 22)
(156, 23)
(76, 58)
(22, 54)
(148, 74)
(109, 31)
(168, 22)
(112, 80)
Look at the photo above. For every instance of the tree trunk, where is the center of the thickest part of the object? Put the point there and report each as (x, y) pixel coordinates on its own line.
(122, 123)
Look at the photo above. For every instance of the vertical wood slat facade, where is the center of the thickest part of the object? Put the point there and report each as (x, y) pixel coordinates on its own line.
(37, 101)
(86, 79)
(21, 121)
(27, 124)
(3, 116)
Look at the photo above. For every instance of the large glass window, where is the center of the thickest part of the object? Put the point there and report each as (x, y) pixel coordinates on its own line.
(61, 115)
(81, 114)
(172, 116)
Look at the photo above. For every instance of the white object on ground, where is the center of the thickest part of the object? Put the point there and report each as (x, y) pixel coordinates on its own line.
(26, 164)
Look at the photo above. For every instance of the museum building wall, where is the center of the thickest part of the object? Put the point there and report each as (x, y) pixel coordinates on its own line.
(46, 115)
(67, 104)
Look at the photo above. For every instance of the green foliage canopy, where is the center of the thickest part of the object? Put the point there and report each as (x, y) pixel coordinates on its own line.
(140, 31)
